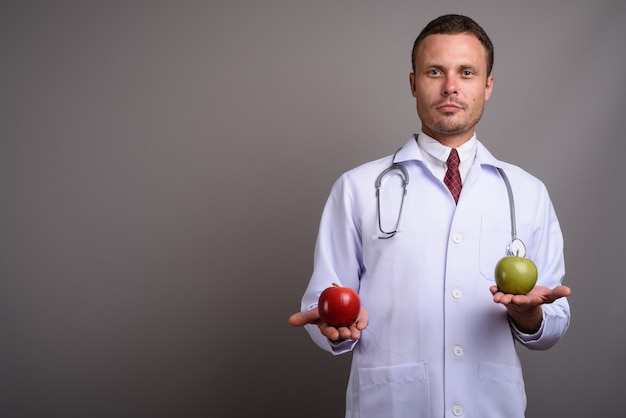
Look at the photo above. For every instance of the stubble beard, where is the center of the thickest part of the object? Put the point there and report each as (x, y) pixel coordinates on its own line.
(446, 126)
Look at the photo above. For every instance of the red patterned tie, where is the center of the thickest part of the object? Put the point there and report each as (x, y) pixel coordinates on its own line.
(453, 177)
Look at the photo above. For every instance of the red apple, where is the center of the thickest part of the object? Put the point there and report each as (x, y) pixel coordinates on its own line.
(516, 275)
(339, 306)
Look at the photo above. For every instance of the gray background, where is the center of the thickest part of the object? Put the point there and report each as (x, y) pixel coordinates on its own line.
(163, 167)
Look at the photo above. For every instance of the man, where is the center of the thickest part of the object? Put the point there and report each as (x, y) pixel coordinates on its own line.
(435, 336)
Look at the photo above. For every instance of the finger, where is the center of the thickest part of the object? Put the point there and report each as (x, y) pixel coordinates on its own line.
(356, 328)
(562, 291)
(363, 320)
(346, 333)
(503, 298)
(299, 319)
(522, 300)
(331, 332)
(497, 295)
(557, 293)
(361, 324)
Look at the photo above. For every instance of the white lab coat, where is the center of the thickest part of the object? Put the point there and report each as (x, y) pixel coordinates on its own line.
(436, 345)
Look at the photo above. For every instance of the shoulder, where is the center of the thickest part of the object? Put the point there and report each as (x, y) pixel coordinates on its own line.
(372, 169)
(360, 180)
(365, 171)
(514, 172)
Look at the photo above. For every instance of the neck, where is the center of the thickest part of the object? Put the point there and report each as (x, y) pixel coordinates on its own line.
(450, 140)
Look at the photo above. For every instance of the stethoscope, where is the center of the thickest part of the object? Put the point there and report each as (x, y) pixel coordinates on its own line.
(515, 247)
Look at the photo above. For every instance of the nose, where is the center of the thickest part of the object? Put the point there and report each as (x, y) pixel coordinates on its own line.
(450, 87)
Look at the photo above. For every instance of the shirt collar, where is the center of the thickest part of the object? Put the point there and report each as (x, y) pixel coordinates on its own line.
(411, 151)
(467, 151)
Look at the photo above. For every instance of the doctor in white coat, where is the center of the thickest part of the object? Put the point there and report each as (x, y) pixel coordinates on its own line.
(435, 337)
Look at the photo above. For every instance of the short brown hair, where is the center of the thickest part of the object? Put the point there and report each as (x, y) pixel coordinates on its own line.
(452, 24)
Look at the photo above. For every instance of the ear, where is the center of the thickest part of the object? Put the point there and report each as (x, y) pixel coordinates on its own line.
(412, 84)
(489, 87)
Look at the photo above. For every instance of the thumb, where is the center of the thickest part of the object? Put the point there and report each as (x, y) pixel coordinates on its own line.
(299, 319)
(559, 292)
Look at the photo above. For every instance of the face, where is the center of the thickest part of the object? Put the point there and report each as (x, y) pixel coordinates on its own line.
(450, 86)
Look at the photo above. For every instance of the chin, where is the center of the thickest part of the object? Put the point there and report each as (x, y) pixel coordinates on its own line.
(448, 130)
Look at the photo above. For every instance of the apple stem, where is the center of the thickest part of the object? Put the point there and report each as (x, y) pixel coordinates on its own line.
(336, 285)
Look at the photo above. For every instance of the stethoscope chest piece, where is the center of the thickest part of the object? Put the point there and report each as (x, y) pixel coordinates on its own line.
(516, 248)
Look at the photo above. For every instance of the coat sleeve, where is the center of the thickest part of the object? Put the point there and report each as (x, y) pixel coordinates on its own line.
(549, 256)
(337, 257)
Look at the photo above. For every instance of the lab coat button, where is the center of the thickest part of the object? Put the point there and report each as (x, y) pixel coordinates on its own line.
(457, 294)
(458, 351)
(457, 410)
(457, 238)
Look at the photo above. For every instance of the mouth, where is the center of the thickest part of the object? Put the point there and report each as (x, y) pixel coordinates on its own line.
(449, 107)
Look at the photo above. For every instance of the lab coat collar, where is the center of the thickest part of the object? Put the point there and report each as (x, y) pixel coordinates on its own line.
(410, 151)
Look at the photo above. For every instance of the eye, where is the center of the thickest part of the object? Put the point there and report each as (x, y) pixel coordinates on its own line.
(434, 72)
(468, 73)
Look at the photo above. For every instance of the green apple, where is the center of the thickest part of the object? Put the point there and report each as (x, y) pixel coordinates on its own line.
(516, 275)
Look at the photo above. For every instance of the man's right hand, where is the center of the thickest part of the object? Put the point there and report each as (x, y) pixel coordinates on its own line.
(312, 316)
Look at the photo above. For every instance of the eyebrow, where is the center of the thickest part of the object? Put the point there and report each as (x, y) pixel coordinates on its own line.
(465, 66)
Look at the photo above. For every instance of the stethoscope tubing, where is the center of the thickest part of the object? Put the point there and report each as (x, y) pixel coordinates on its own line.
(516, 247)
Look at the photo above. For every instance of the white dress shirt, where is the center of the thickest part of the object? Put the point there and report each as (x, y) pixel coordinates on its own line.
(436, 154)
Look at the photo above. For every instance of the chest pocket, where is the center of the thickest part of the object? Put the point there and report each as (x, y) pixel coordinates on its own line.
(495, 236)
